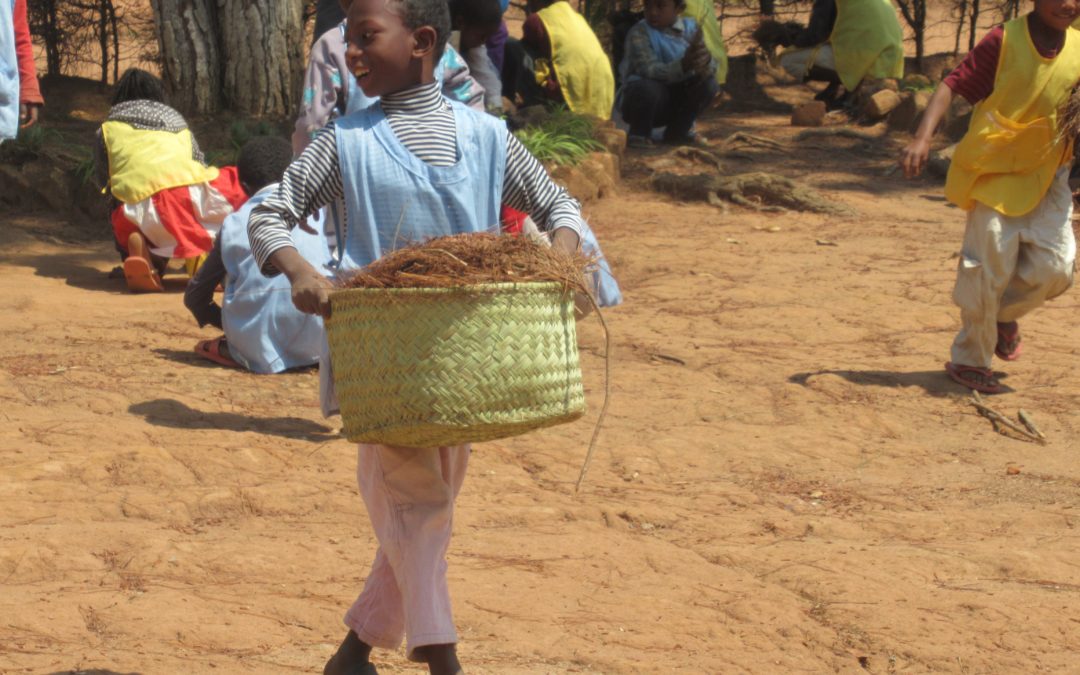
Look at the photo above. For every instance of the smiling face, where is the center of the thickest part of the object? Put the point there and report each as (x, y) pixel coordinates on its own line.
(1057, 14)
(382, 53)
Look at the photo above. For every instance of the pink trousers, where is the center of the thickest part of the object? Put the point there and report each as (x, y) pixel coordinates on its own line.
(409, 494)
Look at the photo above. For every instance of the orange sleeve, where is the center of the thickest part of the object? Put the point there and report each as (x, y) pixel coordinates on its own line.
(29, 90)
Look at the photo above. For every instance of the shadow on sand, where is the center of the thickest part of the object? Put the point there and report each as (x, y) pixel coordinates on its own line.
(933, 382)
(165, 412)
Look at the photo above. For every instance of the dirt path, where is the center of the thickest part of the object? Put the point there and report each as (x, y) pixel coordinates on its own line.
(786, 482)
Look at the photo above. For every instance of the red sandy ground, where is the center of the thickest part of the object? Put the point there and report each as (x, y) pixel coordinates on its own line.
(786, 481)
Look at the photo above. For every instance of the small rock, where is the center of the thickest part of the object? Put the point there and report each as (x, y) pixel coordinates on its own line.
(817, 494)
(1012, 470)
(917, 81)
(810, 114)
(881, 104)
(614, 140)
(906, 116)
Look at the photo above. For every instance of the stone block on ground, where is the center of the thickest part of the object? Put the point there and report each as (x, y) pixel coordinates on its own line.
(881, 103)
(580, 186)
(917, 81)
(810, 114)
(602, 168)
(613, 140)
(906, 116)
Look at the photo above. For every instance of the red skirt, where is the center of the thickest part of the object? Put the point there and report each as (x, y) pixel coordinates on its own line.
(181, 222)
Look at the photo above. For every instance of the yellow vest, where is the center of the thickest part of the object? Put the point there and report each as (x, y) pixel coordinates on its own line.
(867, 41)
(1011, 151)
(704, 13)
(143, 163)
(581, 66)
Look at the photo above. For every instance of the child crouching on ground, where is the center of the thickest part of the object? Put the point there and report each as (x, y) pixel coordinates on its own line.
(1010, 172)
(668, 76)
(264, 332)
(171, 204)
(411, 167)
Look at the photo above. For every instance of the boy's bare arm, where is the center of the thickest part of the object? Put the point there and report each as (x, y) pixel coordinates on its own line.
(913, 158)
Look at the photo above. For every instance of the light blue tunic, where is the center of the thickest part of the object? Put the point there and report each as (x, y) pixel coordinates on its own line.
(265, 332)
(9, 73)
(394, 198)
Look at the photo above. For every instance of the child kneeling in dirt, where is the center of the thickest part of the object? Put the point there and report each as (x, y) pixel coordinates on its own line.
(264, 332)
(1010, 172)
(171, 204)
(667, 74)
(411, 167)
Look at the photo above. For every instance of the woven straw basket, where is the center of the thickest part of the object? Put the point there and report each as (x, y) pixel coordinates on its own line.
(428, 367)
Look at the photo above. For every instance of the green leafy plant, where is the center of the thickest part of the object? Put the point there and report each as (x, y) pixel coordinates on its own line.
(563, 138)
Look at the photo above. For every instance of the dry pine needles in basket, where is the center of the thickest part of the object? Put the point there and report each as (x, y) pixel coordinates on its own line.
(472, 259)
(459, 339)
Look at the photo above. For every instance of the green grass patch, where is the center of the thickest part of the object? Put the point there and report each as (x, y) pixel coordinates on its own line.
(563, 138)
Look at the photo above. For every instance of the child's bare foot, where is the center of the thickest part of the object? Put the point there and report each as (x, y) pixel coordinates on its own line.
(351, 658)
(441, 659)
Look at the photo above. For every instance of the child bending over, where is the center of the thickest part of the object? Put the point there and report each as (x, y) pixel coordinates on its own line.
(264, 332)
(411, 167)
(559, 60)
(171, 204)
(667, 73)
(1010, 173)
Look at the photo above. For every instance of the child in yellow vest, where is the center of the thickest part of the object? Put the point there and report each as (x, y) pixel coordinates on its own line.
(845, 42)
(1010, 172)
(559, 59)
(170, 203)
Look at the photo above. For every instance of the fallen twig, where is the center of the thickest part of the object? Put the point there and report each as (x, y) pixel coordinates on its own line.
(1025, 419)
(996, 417)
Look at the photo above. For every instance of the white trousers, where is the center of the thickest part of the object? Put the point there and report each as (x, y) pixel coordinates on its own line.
(409, 494)
(1009, 265)
(798, 62)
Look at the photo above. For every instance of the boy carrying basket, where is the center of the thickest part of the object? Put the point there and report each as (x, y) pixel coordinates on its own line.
(412, 166)
(1010, 172)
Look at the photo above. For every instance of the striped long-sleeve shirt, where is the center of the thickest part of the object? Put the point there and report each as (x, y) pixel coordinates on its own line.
(424, 123)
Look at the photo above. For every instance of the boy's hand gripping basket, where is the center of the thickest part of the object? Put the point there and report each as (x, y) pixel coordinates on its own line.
(428, 367)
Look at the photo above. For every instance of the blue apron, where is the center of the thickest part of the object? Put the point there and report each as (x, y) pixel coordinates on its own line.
(265, 332)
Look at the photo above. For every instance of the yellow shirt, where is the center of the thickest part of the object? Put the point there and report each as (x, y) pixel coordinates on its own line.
(1008, 158)
(867, 41)
(144, 162)
(582, 68)
(704, 13)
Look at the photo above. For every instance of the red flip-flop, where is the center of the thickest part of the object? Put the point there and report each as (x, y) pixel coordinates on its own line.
(141, 277)
(1007, 338)
(211, 351)
(961, 375)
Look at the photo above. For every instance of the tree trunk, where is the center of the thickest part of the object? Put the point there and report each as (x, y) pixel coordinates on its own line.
(190, 58)
(245, 56)
(262, 55)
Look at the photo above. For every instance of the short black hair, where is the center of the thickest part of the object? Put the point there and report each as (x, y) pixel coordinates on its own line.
(263, 161)
(477, 12)
(434, 13)
(138, 85)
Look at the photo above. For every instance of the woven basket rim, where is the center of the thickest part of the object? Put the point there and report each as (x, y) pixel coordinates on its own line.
(465, 288)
